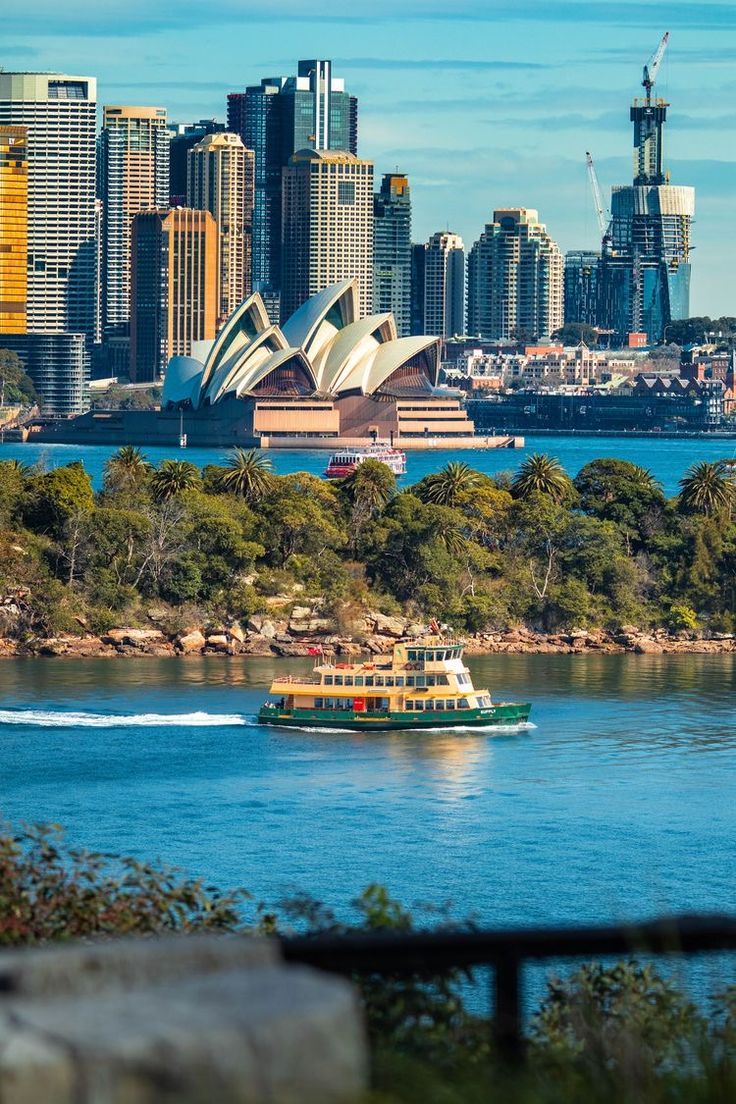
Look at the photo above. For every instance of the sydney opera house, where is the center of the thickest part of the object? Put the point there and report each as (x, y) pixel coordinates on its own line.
(324, 378)
(325, 374)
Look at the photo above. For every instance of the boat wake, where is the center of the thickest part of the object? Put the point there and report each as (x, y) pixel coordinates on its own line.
(42, 718)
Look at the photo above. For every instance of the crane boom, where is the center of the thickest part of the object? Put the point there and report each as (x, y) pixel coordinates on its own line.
(596, 189)
(651, 67)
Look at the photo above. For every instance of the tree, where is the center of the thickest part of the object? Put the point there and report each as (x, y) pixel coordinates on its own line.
(173, 477)
(248, 473)
(447, 486)
(541, 474)
(126, 470)
(622, 492)
(572, 333)
(708, 489)
(54, 497)
(17, 385)
(370, 486)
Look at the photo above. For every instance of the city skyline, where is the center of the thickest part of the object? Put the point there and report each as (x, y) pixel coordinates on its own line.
(496, 105)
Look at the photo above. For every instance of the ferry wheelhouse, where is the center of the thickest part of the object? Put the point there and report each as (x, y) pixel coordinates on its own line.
(347, 460)
(420, 685)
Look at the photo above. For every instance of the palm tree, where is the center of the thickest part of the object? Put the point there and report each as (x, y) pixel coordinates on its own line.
(447, 486)
(643, 480)
(370, 486)
(248, 474)
(541, 474)
(126, 469)
(173, 477)
(707, 488)
(19, 467)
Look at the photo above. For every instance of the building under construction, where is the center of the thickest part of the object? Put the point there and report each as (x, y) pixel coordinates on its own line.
(643, 278)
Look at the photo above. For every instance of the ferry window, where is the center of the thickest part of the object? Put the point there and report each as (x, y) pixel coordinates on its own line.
(319, 703)
(348, 680)
(439, 704)
(464, 703)
(410, 705)
(329, 703)
(450, 703)
(442, 680)
(338, 680)
(358, 680)
(328, 680)
(431, 680)
(421, 680)
(379, 680)
(369, 680)
(389, 682)
(400, 680)
(429, 705)
(412, 655)
(410, 680)
(419, 706)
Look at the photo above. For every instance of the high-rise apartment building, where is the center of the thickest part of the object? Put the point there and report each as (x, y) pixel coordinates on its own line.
(13, 229)
(327, 226)
(444, 285)
(418, 267)
(58, 112)
(276, 119)
(392, 250)
(581, 287)
(221, 181)
(134, 176)
(173, 287)
(515, 279)
(184, 136)
(59, 365)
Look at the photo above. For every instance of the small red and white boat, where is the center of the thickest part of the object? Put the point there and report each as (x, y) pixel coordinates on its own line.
(347, 460)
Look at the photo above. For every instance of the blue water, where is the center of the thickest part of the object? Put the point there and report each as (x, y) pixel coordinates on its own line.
(619, 804)
(667, 459)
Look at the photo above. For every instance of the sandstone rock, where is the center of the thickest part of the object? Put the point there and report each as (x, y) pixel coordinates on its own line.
(283, 638)
(257, 645)
(254, 623)
(156, 614)
(348, 648)
(291, 649)
(236, 633)
(220, 641)
(414, 629)
(647, 646)
(389, 626)
(268, 629)
(134, 638)
(191, 642)
(380, 645)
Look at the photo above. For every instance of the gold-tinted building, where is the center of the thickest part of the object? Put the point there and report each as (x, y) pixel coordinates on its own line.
(174, 287)
(13, 229)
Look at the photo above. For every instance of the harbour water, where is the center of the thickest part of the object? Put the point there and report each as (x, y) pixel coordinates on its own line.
(666, 458)
(617, 805)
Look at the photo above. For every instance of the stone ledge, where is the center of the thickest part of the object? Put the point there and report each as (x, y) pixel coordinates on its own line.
(180, 1020)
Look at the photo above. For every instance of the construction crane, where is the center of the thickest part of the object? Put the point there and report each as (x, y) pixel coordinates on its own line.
(651, 67)
(597, 198)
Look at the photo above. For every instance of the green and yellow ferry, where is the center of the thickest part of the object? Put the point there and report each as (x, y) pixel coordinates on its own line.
(422, 684)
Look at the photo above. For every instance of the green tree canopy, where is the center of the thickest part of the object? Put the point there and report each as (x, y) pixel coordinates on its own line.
(18, 385)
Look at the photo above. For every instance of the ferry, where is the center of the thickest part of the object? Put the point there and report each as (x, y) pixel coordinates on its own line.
(422, 684)
(347, 460)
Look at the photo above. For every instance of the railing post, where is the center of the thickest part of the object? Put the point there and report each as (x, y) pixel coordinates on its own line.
(507, 1027)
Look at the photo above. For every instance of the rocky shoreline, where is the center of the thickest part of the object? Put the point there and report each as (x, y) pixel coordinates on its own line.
(304, 631)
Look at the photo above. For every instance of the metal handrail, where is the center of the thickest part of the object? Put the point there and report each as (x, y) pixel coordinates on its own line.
(506, 950)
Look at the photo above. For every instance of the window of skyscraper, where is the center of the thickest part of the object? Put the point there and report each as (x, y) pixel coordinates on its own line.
(346, 193)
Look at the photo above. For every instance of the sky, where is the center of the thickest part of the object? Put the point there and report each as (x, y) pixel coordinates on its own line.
(483, 104)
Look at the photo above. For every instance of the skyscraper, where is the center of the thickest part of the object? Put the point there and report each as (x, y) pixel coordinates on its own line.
(220, 180)
(134, 176)
(328, 226)
(59, 114)
(418, 267)
(515, 279)
(392, 251)
(13, 229)
(645, 266)
(581, 286)
(184, 136)
(173, 287)
(444, 285)
(276, 119)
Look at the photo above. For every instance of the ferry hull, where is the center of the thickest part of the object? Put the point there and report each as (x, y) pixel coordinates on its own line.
(507, 713)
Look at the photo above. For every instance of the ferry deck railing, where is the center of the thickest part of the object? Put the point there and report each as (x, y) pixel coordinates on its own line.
(430, 953)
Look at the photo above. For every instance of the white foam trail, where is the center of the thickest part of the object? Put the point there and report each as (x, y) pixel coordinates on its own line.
(42, 718)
